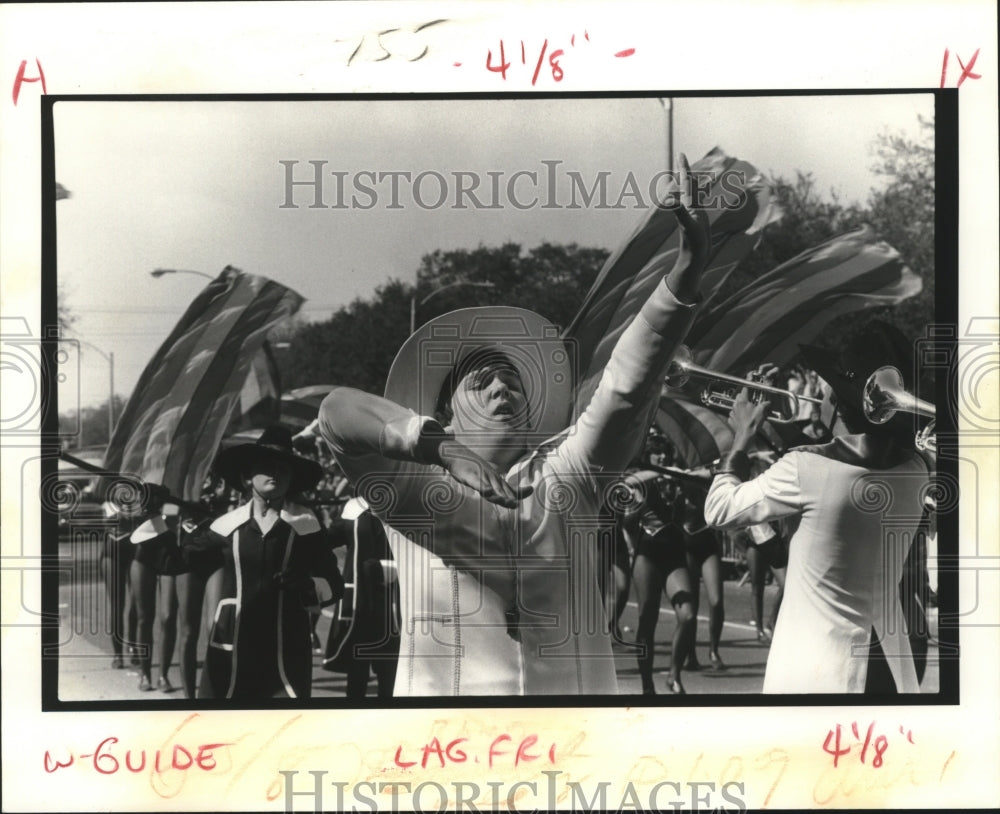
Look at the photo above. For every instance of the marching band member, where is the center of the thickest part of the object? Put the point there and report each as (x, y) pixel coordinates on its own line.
(276, 567)
(493, 518)
(843, 568)
(160, 571)
(660, 564)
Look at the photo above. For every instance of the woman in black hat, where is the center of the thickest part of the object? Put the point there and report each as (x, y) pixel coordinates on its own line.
(854, 499)
(276, 568)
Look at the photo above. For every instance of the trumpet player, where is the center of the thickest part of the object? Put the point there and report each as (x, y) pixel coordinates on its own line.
(843, 568)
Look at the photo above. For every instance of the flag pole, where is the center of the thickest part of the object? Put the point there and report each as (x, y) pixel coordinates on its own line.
(668, 107)
(107, 473)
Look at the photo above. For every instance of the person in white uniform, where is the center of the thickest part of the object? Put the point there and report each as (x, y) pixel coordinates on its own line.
(492, 507)
(857, 500)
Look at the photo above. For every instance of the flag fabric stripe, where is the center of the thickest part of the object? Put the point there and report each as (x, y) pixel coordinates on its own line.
(259, 403)
(183, 371)
(815, 264)
(224, 376)
(158, 375)
(617, 274)
(701, 435)
(301, 405)
(200, 357)
(698, 434)
(767, 319)
(777, 340)
(185, 398)
(630, 275)
(245, 339)
(260, 398)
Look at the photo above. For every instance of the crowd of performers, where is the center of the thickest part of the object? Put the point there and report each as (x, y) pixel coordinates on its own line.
(175, 565)
(490, 550)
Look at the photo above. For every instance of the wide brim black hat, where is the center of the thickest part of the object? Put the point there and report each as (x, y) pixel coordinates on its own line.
(274, 444)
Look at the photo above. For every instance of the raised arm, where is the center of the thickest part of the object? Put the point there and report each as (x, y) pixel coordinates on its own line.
(613, 425)
(731, 502)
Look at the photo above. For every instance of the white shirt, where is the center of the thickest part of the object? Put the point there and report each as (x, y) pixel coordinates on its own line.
(844, 565)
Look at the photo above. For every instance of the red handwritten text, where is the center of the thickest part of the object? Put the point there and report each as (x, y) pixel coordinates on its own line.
(966, 69)
(536, 60)
(109, 759)
(20, 79)
(502, 749)
(876, 747)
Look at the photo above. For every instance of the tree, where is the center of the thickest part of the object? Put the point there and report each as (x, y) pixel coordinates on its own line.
(357, 344)
(807, 220)
(66, 318)
(901, 213)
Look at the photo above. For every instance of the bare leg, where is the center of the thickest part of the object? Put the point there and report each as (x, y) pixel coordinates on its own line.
(114, 570)
(623, 583)
(692, 662)
(756, 568)
(142, 578)
(168, 629)
(190, 592)
(711, 571)
(648, 581)
(681, 597)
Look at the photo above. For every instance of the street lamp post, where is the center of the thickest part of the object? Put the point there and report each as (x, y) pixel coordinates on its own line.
(414, 304)
(110, 356)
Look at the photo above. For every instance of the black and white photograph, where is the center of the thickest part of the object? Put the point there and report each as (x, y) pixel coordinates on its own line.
(480, 407)
(500, 398)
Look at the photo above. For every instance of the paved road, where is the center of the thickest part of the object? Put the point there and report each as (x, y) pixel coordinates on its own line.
(85, 672)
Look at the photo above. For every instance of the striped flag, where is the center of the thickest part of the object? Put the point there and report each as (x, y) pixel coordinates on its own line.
(767, 319)
(740, 206)
(259, 403)
(180, 408)
(701, 435)
(301, 405)
(698, 434)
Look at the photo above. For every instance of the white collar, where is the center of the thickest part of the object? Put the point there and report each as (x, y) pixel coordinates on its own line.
(301, 519)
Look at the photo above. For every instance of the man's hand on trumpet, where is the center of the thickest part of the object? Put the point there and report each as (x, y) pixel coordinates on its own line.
(745, 419)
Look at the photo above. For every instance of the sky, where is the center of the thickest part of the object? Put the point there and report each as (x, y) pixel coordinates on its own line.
(198, 185)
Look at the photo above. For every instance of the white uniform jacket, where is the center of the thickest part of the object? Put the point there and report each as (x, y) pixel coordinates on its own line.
(844, 564)
(501, 601)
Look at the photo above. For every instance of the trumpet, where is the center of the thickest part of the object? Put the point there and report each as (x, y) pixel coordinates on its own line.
(884, 396)
(682, 367)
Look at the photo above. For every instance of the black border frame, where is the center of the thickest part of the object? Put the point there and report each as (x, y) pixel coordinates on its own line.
(945, 339)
